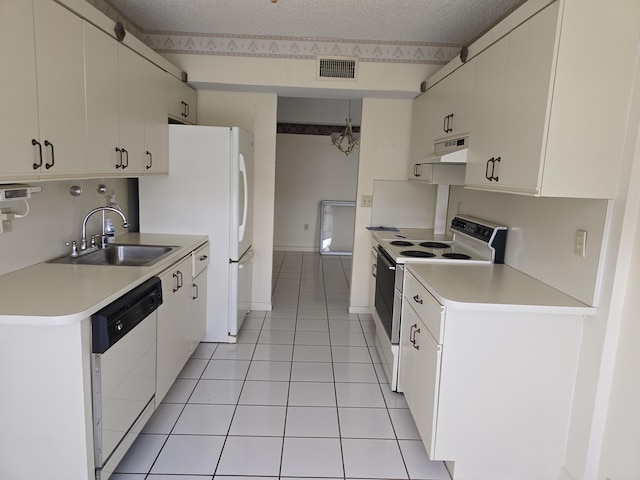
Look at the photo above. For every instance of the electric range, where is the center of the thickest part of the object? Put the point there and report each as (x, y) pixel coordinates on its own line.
(474, 241)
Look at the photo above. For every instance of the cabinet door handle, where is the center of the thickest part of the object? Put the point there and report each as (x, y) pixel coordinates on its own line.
(184, 108)
(196, 292)
(417, 299)
(203, 258)
(125, 154)
(416, 166)
(495, 177)
(150, 155)
(446, 126)
(416, 346)
(491, 177)
(188, 110)
(486, 170)
(177, 287)
(374, 270)
(119, 152)
(180, 279)
(411, 339)
(47, 143)
(34, 142)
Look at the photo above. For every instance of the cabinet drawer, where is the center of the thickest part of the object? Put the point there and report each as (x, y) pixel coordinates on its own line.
(200, 260)
(427, 307)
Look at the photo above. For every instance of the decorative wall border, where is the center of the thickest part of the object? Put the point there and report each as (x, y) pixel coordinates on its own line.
(303, 129)
(283, 47)
(301, 48)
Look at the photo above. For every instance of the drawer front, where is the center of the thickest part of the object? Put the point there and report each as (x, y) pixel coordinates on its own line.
(427, 307)
(200, 260)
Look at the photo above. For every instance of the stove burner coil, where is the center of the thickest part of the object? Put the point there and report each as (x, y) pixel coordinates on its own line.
(435, 245)
(402, 243)
(456, 256)
(417, 253)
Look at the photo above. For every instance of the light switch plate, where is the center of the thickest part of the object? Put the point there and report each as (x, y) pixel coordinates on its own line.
(366, 200)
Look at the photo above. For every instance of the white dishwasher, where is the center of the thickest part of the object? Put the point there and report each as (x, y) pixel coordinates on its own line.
(123, 365)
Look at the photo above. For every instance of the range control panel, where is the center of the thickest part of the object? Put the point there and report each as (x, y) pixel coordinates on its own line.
(475, 228)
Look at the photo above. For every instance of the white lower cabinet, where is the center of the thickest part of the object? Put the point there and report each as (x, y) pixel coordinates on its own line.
(200, 260)
(174, 326)
(490, 389)
(420, 358)
(182, 316)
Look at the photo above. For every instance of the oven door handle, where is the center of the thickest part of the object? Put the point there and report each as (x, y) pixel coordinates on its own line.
(386, 259)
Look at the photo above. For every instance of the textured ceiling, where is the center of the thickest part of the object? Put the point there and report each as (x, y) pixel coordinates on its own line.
(455, 22)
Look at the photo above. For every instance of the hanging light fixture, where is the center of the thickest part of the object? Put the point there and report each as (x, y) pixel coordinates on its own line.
(339, 139)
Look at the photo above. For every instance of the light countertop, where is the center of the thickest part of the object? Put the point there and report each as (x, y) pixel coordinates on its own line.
(494, 287)
(51, 294)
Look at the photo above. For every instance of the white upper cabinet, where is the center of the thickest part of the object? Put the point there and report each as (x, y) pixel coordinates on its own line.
(442, 111)
(156, 126)
(61, 90)
(131, 100)
(103, 111)
(545, 120)
(82, 104)
(511, 92)
(181, 101)
(46, 90)
(126, 109)
(18, 91)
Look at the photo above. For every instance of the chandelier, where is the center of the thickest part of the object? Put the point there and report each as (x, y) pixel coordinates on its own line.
(339, 140)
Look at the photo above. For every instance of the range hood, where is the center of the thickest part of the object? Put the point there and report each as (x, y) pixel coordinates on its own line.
(453, 150)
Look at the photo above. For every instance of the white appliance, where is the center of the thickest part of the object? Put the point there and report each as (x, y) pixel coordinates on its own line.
(209, 191)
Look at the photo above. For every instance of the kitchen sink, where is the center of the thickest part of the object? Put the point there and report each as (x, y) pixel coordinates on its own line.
(119, 254)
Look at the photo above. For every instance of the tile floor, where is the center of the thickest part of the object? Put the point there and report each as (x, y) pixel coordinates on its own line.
(301, 395)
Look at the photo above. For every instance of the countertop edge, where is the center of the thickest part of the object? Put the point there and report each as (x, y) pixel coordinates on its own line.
(187, 244)
(450, 286)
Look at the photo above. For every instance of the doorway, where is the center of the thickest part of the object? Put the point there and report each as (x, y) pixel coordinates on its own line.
(310, 170)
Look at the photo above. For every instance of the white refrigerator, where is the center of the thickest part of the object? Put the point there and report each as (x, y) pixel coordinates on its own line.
(209, 191)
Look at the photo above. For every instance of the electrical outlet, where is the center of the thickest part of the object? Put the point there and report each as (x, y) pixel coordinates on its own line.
(580, 247)
(366, 200)
(6, 218)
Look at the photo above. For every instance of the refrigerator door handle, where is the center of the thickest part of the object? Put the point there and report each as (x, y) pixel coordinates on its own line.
(243, 171)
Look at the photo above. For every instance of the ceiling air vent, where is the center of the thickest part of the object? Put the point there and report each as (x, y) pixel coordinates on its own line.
(337, 68)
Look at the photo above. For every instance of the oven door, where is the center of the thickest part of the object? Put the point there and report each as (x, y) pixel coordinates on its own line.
(385, 286)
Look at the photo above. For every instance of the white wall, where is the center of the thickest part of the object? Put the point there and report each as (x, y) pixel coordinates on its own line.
(308, 169)
(621, 441)
(541, 235)
(297, 78)
(384, 154)
(255, 112)
(609, 450)
(55, 217)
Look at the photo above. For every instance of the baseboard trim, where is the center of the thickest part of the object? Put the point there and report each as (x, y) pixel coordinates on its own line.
(261, 306)
(361, 310)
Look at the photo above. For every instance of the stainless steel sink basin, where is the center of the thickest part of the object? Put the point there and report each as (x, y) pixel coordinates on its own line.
(119, 254)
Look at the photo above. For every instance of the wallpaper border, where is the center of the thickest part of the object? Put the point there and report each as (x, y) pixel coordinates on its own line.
(299, 48)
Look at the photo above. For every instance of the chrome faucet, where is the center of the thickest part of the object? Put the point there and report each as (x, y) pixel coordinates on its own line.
(83, 241)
